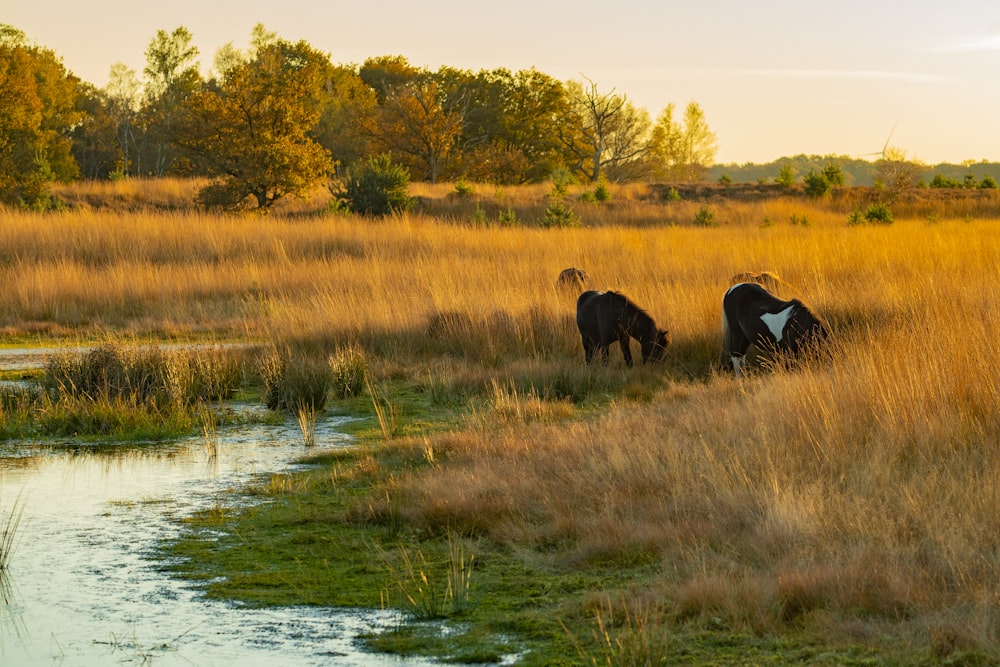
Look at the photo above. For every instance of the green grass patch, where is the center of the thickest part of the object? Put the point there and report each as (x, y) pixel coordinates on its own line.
(334, 536)
(315, 544)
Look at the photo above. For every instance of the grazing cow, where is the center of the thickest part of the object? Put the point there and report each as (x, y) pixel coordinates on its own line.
(753, 316)
(606, 317)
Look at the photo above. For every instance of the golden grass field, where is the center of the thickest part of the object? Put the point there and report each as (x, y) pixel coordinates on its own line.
(855, 496)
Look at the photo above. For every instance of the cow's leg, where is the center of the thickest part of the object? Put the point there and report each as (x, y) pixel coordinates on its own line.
(626, 350)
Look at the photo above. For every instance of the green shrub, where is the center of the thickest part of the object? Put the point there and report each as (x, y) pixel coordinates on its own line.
(816, 183)
(479, 216)
(560, 188)
(337, 207)
(563, 178)
(377, 188)
(558, 214)
(705, 217)
(463, 189)
(507, 217)
(834, 174)
(942, 181)
(988, 183)
(878, 213)
(602, 192)
(786, 176)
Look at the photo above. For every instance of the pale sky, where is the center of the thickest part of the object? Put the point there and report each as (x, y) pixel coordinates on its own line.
(774, 78)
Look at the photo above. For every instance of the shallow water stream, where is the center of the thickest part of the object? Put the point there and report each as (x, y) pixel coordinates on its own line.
(84, 589)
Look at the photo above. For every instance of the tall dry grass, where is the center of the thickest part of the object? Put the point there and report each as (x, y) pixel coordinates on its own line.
(855, 494)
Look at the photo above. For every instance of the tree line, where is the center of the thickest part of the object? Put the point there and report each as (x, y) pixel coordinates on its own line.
(892, 168)
(280, 117)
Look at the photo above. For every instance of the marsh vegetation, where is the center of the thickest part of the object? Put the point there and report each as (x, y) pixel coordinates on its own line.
(844, 506)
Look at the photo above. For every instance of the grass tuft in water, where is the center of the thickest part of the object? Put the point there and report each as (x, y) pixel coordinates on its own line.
(306, 418)
(432, 589)
(293, 381)
(8, 540)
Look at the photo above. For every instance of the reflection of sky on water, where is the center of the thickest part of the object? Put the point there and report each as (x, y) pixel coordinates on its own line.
(84, 592)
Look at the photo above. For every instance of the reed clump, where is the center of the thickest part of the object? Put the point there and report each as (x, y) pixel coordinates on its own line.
(349, 370)
(109, 372)
(117, 371)
(296, 382)
(432, 587)
(121, 390)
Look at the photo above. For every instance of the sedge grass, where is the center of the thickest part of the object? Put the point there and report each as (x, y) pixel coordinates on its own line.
(431, 588)
(122, 390)
(305, 417)
(385, 412)
(9, 526)
(8, 540)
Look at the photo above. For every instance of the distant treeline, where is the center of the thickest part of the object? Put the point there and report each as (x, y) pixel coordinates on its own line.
(280, 119)
(856, 171)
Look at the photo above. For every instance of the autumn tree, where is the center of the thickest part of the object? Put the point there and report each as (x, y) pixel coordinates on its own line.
(37, 114)
(171, 76)
(415, 121)
(252, 127)
(602, 131)
(228, 56)
(346, 104)
(108, 141)
(666, 145)
(495, 126)
(700, 143)
(385, 74)
(123, 101)
(682, 150)
(627, 145)
(94, 146)
(510, 131)
(417, 124)
(531, 105)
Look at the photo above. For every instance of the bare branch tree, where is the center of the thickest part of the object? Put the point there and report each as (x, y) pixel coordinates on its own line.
(604, 130)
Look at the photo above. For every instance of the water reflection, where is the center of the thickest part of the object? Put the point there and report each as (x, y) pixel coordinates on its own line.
(81, 589)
